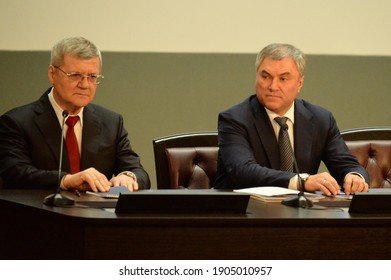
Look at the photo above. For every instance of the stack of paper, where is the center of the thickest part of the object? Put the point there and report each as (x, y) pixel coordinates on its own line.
(276, 194)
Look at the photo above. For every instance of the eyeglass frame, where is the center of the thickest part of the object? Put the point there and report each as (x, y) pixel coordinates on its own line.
(81, 76)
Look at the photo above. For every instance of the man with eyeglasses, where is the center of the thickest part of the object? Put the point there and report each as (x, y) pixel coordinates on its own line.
(98, 155)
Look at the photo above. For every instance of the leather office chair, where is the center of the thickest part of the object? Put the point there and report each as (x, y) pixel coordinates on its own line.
(372, 147)
(186, 160)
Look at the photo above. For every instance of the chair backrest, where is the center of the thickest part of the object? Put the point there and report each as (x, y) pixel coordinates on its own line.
(367, 133)
(372, 148)
(186, 160)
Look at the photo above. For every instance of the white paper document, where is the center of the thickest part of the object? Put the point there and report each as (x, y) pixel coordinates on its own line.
(274, 194)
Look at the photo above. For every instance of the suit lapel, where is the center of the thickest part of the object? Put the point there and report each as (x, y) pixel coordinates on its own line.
(303, 133)
(90, 142)
(264, 127)
(47, 123)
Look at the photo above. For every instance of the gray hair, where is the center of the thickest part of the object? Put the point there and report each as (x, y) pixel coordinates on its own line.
(281, 51)
(76, 46)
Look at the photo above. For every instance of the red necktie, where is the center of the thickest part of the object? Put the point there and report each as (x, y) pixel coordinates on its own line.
(72, 145)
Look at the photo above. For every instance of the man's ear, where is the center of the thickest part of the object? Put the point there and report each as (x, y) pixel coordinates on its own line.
(51, 71)
(300, 83)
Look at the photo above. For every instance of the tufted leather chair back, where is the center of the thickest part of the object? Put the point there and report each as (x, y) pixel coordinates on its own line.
(186, 160)
(375, 156)
(192, 167)
(372, 148)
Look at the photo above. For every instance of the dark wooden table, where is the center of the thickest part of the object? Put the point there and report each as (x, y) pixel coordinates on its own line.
(31, 230)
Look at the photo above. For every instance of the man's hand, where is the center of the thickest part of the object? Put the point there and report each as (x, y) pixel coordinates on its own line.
(88, 179)
(323, 182)
(125, 180)
(354, 183)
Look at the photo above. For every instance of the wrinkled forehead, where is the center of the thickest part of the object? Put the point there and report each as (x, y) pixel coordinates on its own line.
(286, 66)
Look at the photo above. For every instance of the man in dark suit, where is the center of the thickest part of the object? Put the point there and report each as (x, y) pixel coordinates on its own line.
(248, 134)
(30, 135)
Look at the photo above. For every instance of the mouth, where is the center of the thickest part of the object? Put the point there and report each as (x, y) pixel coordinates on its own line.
(81, 94)
(271, 95)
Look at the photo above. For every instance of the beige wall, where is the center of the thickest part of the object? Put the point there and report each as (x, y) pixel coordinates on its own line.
(351, 27)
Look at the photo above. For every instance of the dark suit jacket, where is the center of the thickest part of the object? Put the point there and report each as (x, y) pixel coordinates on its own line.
(30, 138)
(248, 149)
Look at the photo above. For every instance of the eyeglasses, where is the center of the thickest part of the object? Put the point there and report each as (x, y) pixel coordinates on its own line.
(77, 77)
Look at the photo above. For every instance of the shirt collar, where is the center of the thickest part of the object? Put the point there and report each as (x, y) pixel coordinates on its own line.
(59, 110)
(290, 114)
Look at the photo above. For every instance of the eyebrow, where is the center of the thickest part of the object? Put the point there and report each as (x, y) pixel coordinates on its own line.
(282, 74)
